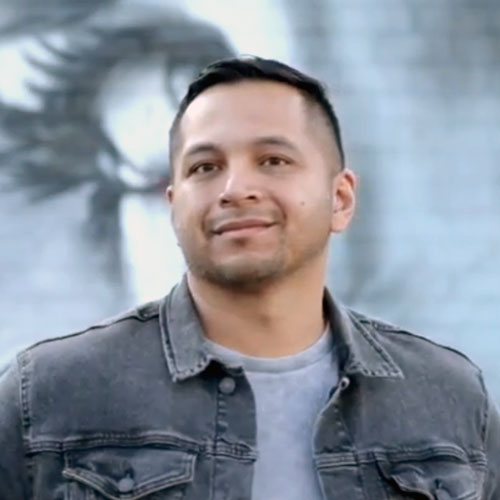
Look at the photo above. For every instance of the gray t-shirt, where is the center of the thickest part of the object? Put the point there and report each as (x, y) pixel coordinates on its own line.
(290, 392)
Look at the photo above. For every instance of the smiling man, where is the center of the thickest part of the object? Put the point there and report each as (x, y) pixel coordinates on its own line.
(248, 381)
(258, 187)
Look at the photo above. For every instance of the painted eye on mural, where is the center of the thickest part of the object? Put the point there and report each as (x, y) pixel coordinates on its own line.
(108, 98)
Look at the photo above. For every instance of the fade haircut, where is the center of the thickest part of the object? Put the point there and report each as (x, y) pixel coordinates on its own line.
(238, 69)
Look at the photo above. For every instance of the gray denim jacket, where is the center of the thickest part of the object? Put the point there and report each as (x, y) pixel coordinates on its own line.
(136, 408)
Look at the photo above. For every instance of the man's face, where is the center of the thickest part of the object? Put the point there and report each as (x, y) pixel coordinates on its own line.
(254, 192)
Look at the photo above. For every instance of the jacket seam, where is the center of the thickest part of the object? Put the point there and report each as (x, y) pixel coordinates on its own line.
(382, 353)
(485, 412)
(165, 337)
(390, 365)
(115, 440)
(98, 326)
(484, 425)
(25, 418)
(24, 390)
(389, 330)
(213, 472)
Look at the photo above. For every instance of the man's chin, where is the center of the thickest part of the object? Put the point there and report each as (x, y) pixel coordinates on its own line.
(245, 275)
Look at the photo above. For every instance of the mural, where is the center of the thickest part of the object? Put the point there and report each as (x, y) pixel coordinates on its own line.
(88, 91)
(87, 128)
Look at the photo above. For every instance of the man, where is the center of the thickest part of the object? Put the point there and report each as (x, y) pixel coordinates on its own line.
(248, 381)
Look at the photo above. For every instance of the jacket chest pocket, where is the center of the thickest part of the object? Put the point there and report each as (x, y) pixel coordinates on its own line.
(115, 473)
(443, 476)
(433, 473)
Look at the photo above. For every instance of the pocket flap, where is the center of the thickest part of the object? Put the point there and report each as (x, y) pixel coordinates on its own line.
(129, 473)
(442, 477)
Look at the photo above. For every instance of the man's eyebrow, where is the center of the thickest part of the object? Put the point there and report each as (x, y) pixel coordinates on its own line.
(201, 147)
(275, 140)
(268, 140)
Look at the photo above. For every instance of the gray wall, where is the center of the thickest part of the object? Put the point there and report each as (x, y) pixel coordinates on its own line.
(83, 227)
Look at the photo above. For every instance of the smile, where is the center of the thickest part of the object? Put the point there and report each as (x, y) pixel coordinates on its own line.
(242, 228)
(244, 232)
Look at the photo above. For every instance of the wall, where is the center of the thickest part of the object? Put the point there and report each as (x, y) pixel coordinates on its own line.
(86, 95)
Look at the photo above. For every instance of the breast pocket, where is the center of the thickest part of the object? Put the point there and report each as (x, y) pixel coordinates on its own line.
(446, 475)
(128, 473)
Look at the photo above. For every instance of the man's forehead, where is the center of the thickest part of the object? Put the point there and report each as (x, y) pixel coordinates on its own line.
(248, 86)
(267, 107)
(244, 95)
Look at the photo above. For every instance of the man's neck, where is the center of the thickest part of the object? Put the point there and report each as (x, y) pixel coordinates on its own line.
(279, 320)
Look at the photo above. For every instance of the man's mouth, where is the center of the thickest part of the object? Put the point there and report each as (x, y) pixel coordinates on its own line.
(242, 227)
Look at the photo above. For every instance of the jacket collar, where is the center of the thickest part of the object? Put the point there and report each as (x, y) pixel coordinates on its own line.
(358, 349)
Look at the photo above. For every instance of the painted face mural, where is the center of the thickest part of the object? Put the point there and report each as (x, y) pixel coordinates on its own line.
(104, 84)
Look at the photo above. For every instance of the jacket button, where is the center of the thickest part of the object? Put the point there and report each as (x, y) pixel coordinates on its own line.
(125, 485)
(227, 385)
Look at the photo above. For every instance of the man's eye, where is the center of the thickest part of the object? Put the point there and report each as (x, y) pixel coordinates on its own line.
(274, 161)
(203, 168)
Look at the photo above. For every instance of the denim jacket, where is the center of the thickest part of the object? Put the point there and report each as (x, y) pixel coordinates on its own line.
(137, 408)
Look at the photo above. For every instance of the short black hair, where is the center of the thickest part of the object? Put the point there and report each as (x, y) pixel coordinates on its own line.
(237, 69)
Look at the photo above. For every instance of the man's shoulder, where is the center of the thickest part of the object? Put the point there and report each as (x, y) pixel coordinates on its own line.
(110, 361)
(109, 330)
(413, 351)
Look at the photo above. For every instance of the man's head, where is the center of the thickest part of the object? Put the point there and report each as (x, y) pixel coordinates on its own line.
(241, 69)
(258, 177)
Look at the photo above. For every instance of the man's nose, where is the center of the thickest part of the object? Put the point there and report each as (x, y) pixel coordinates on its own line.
(241, 186)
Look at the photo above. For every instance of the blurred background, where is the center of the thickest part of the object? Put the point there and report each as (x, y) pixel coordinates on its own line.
(87, 93)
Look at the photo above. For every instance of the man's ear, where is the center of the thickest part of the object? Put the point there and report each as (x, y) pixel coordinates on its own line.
(344, 200)
(169, 193)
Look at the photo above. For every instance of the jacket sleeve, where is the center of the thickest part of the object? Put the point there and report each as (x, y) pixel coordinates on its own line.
(492, 447)
(13, 476)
